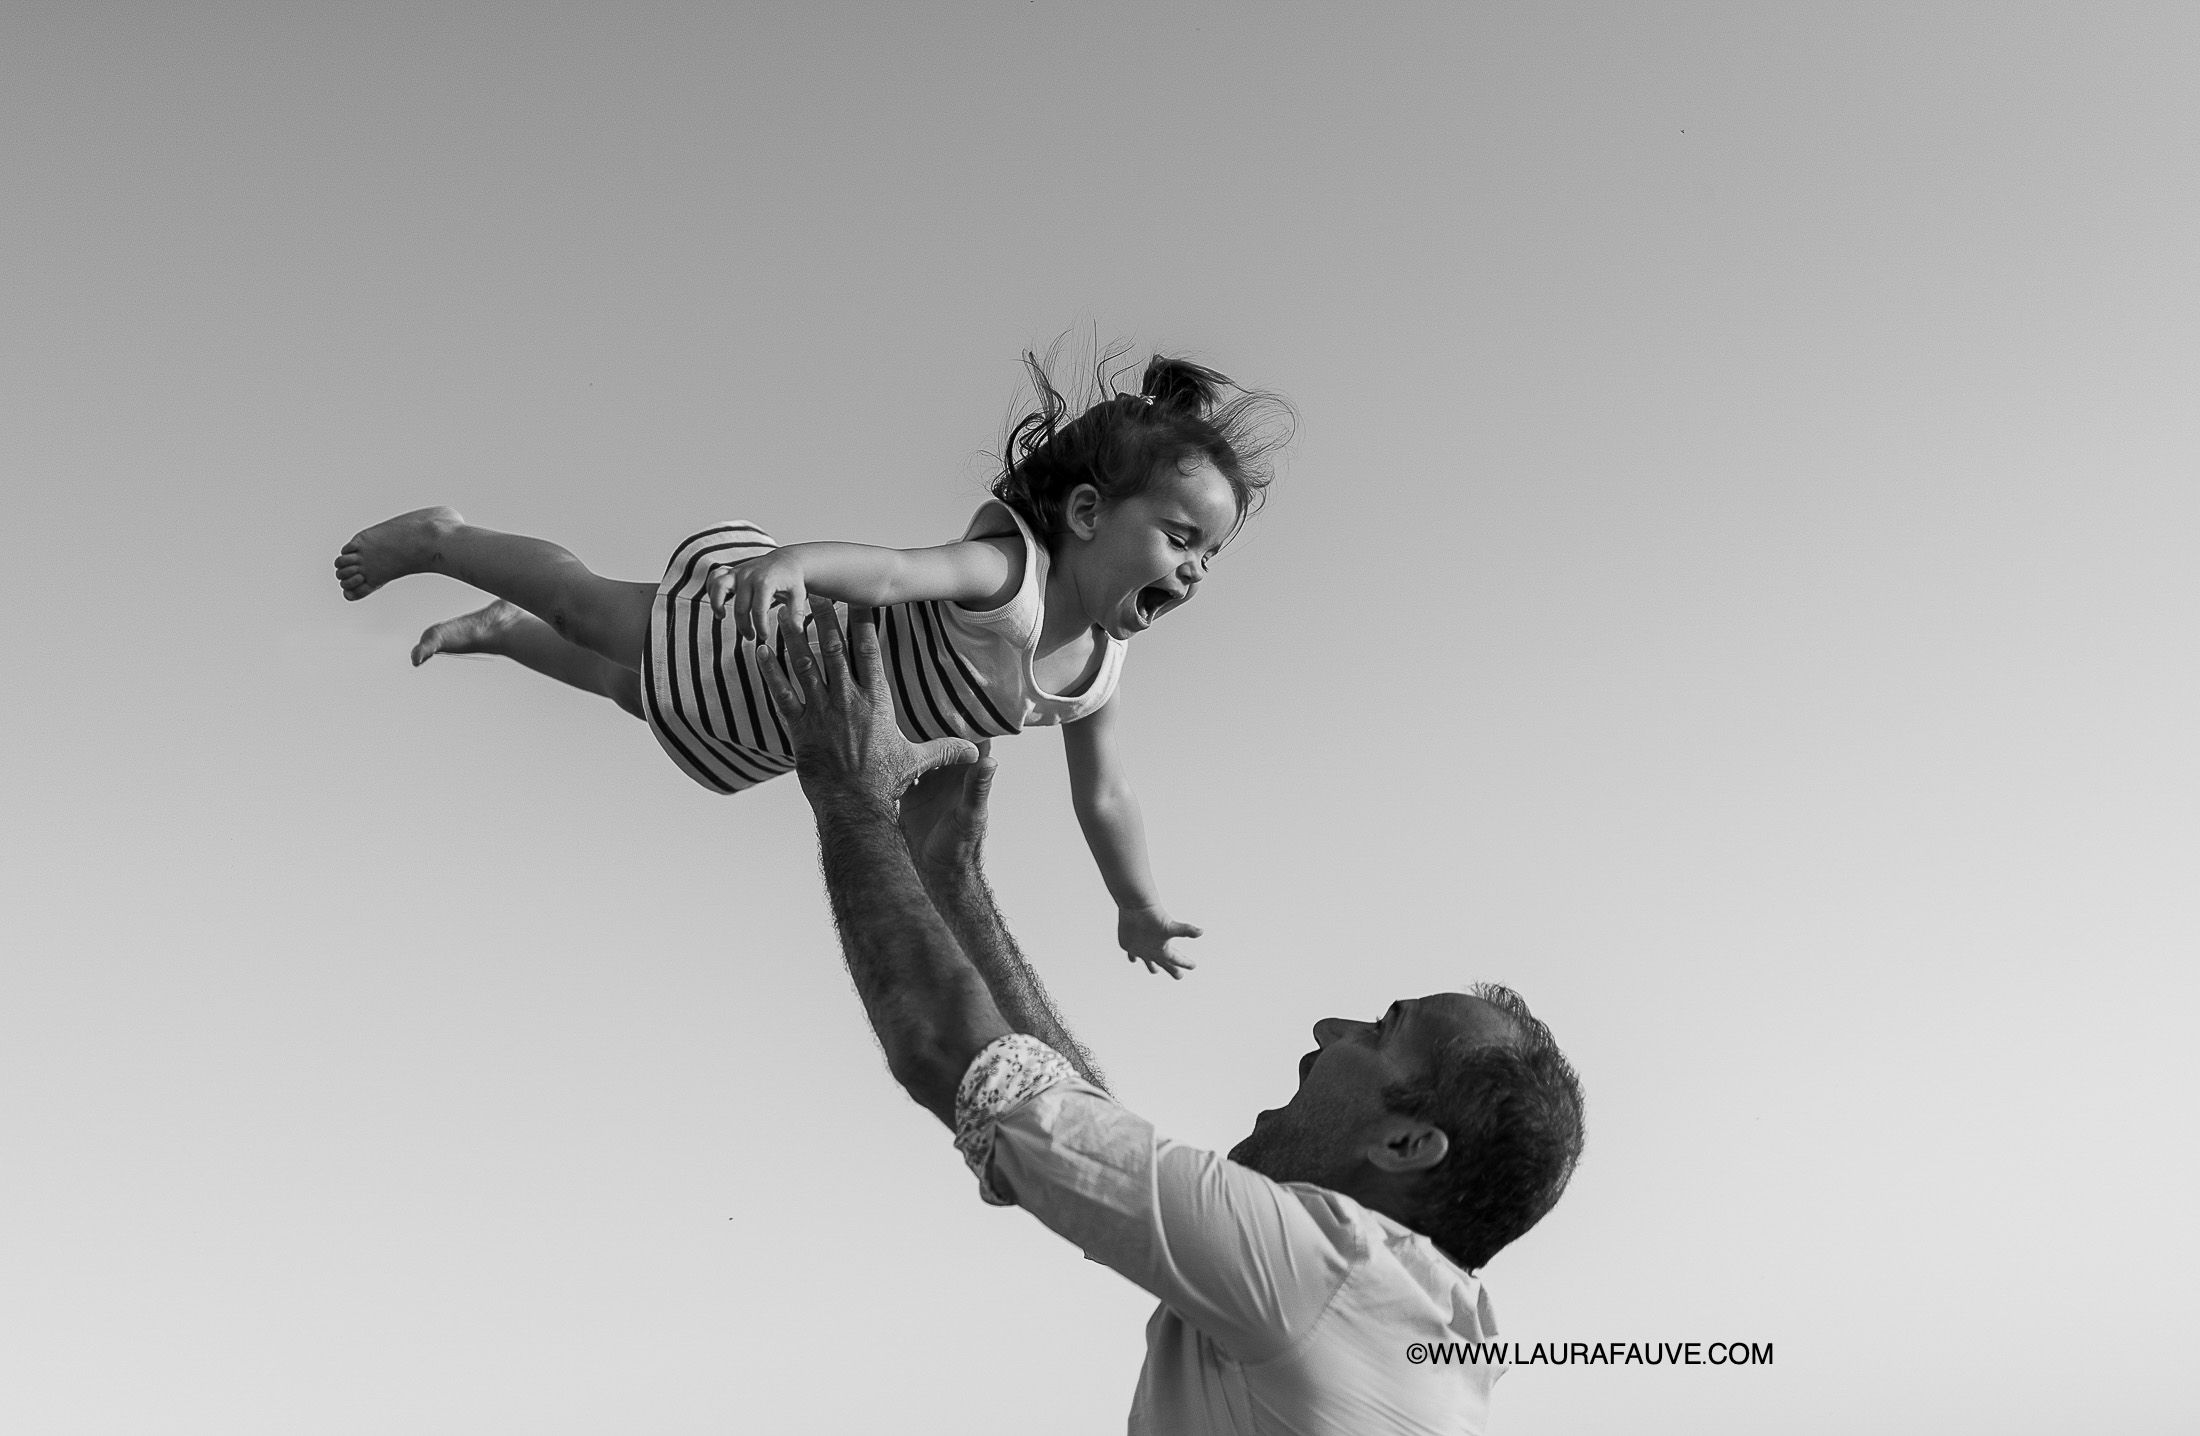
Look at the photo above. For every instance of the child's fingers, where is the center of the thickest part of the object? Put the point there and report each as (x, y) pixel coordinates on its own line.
(760, 605)
(754, 612)
(758, 615)
(1163, 961)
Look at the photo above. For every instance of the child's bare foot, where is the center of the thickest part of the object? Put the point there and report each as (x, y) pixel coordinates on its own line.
(481, 631)
(392, 549)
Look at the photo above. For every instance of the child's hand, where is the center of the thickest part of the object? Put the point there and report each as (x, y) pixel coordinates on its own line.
(1144, 934)
(752, 587)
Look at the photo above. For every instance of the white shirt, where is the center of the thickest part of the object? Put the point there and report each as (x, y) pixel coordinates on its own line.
(1285, 1307)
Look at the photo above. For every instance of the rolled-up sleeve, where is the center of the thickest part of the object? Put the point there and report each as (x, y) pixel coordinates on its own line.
(1233, 1253)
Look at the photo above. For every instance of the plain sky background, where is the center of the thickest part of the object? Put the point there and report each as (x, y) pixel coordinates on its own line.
(1734, 584)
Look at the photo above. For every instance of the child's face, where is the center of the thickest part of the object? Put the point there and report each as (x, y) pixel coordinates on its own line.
(1141, 557)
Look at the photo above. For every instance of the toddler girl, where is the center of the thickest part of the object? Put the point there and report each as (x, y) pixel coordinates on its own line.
(1096, 529)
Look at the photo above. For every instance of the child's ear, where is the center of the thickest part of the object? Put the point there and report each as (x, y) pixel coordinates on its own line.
(1081, 513)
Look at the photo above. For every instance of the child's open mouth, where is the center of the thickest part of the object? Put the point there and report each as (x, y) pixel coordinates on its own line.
(1151, 600)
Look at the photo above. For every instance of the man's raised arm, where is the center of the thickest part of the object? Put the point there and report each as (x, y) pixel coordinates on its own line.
(943, 820)
(931, 1009)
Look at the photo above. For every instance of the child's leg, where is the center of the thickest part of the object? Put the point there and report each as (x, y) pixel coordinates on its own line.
(602, 615)
(503, 629)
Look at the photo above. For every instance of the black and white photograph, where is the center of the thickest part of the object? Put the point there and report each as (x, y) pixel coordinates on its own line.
(1007, 716)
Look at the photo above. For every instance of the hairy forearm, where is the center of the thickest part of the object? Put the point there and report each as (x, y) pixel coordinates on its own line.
(964, 899)
(932, 1010)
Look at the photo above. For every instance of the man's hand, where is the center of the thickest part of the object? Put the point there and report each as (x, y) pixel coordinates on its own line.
(841, 722)
(943, 816)
(1144, 934)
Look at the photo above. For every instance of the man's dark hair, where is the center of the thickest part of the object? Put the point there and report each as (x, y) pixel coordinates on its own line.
(1512, 1111)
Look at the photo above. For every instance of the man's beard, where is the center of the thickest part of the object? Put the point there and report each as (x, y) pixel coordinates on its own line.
(1283, 1150)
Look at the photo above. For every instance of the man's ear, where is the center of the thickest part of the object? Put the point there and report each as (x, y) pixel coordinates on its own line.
(1401, 1145)
(1081, 511)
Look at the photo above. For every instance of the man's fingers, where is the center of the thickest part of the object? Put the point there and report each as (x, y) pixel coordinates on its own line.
(976, 790)
(870, 666)
(832, 644)
(926, 786)
(795, 645)
(776, 683)
(942, 752)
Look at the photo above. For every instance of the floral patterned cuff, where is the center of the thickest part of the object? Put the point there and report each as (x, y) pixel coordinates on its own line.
(1009, 1072)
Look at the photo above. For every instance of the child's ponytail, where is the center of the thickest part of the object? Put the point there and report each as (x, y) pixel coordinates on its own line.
(1182, 415)
(1181, 384)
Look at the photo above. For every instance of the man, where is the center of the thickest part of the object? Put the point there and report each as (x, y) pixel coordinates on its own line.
(1295, 1274)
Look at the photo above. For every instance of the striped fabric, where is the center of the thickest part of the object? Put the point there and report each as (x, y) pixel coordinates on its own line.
(705, 697)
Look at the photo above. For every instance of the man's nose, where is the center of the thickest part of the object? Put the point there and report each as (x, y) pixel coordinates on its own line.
(1329, 1029)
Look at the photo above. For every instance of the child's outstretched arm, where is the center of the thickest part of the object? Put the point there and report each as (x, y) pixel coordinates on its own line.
(1107, 810)
(979, 571)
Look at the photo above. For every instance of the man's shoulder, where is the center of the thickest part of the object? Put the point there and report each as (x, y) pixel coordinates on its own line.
(1366, 1237)
(1333, 1211)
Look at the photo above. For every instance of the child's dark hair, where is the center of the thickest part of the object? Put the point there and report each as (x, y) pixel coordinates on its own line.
(1181, 415)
